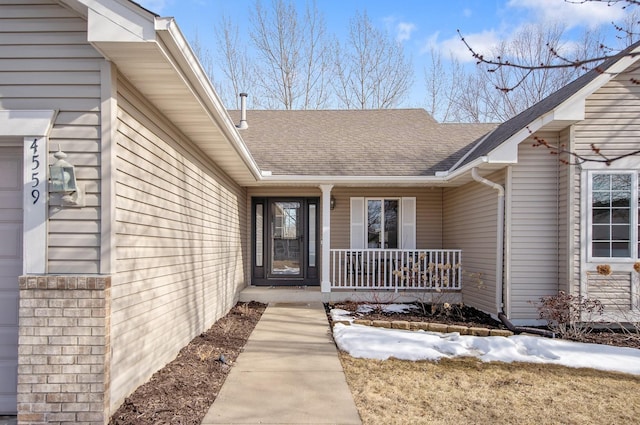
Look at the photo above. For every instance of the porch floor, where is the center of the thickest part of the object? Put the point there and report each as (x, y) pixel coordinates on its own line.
(281, 294)
(310, 294)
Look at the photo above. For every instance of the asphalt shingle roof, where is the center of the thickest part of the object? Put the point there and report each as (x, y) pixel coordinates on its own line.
(386, 142)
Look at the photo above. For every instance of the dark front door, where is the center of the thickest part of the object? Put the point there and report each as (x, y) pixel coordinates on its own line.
(285, 241)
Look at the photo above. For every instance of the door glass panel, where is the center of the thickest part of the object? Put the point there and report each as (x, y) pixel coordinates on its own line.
(259, 234)
(286, 243)
(312, 235)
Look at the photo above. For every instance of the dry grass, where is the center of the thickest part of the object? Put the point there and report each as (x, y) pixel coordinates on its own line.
(467, 391)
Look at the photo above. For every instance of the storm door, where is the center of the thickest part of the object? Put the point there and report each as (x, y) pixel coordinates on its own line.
(285, 241)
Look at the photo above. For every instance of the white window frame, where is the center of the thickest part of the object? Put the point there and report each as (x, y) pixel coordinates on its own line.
(406, 221)
(633, 222)
(382, 221)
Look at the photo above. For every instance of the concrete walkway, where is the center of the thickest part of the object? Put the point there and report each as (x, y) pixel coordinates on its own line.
(288, 373)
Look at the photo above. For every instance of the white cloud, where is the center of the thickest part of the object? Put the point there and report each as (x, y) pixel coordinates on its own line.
(519, 13)
(589, 14)
(404, 30)
(430, 43)
(482, 42)
(467, 13)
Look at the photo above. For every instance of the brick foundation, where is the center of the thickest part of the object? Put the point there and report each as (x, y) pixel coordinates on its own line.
(63, 350)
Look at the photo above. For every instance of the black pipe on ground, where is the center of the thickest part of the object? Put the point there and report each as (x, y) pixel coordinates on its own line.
(520, 329)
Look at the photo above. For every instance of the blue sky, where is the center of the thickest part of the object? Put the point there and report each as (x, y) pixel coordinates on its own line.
(419, 24)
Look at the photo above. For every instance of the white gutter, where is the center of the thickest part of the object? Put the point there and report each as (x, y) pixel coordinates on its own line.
(499, 236)
(267, 177)
(439, 179)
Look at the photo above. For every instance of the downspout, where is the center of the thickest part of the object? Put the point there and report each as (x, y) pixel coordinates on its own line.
(500, 258)
(499, 236)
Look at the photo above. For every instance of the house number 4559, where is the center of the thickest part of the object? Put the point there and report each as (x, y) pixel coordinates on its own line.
(35, 169)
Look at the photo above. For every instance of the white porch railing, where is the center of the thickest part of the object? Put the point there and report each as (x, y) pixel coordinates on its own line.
(397, 269)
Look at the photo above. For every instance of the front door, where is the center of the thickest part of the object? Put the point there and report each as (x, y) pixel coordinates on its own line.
(285, 241)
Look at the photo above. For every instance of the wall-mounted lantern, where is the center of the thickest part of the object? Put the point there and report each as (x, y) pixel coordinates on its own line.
(62, 181)
(332, 202)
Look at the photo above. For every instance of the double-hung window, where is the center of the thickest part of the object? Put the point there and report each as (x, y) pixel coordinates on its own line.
(383, 223)
(613, 215)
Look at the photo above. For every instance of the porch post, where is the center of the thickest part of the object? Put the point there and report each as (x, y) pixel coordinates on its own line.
(325, 285)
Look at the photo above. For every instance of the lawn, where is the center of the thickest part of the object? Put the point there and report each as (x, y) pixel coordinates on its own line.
(468, 391)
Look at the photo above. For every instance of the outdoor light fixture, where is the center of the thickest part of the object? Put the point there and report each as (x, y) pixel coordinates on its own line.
(332, 202)
(62, 181)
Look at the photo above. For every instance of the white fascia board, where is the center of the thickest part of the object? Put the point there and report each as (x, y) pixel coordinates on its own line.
(26, 123)
(624, 62)
(118, 21)
(570, 111)
(507, 152)
(188, 66)
(355, 180)
(437, 180)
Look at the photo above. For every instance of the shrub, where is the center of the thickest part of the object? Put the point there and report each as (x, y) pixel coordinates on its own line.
(565, 314)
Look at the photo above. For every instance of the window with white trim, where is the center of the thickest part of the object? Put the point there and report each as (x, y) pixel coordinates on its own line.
(613, 215)
(383, 223)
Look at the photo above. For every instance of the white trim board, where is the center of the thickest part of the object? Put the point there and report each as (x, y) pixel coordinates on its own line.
(33, 126)
(23, 123)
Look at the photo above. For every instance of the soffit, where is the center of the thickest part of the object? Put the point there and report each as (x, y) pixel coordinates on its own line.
(154, 56)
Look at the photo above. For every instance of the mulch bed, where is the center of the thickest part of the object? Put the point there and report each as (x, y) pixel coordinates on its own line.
(183, 391)
(455, 315)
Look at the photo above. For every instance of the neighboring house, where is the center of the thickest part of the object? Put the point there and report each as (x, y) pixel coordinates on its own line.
(176, 211)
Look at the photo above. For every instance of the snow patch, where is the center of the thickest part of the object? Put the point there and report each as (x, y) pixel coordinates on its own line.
(381, 344)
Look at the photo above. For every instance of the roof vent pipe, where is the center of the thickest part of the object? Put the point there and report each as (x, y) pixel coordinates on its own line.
(243, 112)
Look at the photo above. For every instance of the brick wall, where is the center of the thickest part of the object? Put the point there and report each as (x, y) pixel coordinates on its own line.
(64, 348)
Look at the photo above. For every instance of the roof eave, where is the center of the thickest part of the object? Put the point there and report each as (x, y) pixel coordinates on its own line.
(170, 33)
(314, 180)
(139, 43)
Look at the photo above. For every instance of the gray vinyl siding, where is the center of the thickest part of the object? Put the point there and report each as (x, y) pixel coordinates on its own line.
(611, 120)
(180, 244)
(612, 125)
(46, 63)
(470, 224)
(614, 291)
(534, 229)
(428, 214)
(565, 218)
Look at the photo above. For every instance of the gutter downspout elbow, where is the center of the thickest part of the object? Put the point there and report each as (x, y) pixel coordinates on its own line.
(499, 236)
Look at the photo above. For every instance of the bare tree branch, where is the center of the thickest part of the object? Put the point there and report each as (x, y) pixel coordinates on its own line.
(556, 59)
(371, 69)
(292, 54)
(233, 59)
(577, 158)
